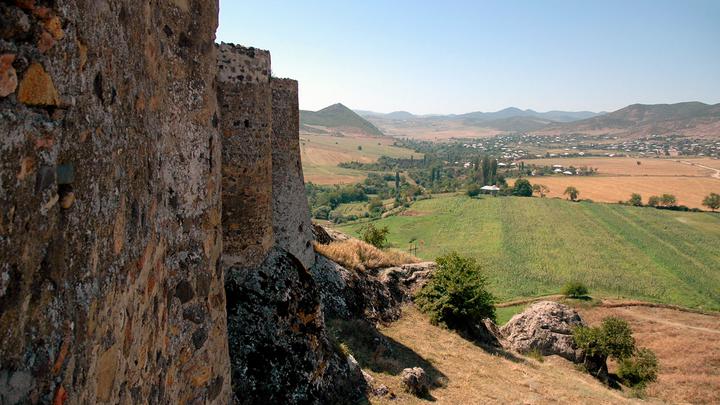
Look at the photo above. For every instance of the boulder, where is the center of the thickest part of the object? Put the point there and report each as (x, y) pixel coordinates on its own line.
(545, 326)
(415, 381)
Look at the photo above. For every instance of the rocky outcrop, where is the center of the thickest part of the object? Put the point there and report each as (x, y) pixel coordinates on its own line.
(415, 381)
(373, 295)
(110, 289)
(546, 326)
(279, 349)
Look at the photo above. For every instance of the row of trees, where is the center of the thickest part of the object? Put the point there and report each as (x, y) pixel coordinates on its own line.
(711, 201)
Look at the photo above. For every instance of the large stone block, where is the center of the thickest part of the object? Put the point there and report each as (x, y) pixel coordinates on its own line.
(110, 240)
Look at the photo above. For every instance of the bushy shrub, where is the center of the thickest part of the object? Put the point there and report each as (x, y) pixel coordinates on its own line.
(575, 289)
(612, 339)
(635, 200)
(522, 188)
(456, 296)
(640, 369)
(473, 190)
(373, 235)
(322, 212)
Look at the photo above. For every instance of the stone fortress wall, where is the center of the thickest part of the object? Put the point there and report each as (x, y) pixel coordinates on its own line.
(126, 274)
(110, 212)
(291, 213)
(244, 97)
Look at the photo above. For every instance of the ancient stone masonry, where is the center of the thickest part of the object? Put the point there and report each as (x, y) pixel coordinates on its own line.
(291, 214)
(110, 284)
(244, 96)
(279, 348)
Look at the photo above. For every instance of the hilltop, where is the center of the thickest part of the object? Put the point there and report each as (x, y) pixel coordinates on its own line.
(338, 117)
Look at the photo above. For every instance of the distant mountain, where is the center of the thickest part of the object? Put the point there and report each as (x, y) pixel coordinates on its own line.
(518, 124)
(400, 115)
(688, 118)
(477, 117)
(559, 116)
(339, 117)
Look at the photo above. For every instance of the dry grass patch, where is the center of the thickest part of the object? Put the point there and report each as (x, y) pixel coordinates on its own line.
(687, 346)
(464, 373)
(358, 255)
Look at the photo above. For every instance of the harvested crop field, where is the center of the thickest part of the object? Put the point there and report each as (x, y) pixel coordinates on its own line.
(689, 179)
(321, 155)
(627, 166)
(690, 191)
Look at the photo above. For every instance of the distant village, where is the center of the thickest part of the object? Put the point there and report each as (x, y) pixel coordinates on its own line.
(527, 146)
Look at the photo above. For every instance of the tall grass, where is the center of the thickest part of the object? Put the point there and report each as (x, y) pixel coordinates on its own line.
(357, 255)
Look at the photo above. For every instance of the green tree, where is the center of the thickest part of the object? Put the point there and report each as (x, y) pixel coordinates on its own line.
(397, 181)
(540, 189)
(456, 295)
(572, 192)
(612, 339)
(374, 235)
(473, 190)
(635, 200)
(522, 188)
(712, 201)
(639, 369)
(487, 176)
(668, 200)
(654, 201)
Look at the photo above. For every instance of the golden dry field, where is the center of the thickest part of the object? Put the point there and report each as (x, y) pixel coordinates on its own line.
(689, 179)
(321, 154)
(687, 345)
(435, 131)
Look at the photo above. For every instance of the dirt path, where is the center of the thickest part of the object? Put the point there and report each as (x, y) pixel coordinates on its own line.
(715, 175)
(628, 312)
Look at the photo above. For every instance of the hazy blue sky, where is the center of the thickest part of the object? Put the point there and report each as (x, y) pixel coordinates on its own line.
(459, 56)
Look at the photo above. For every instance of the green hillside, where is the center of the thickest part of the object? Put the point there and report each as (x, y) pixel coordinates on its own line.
(340, 117)
(532, 246)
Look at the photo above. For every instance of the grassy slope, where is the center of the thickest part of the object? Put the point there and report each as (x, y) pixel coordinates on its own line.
(532, 246)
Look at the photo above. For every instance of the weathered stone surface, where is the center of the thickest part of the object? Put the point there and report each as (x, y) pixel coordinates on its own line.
(415, 381)
(244, 97)
(321, 235)
(37, 88)
(291, 214)
(374, 295)
(546, 326)
(348, 294)
(118, 114)
(8, 76)
(279, 348)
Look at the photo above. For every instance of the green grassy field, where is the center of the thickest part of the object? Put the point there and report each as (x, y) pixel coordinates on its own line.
(532, 246)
